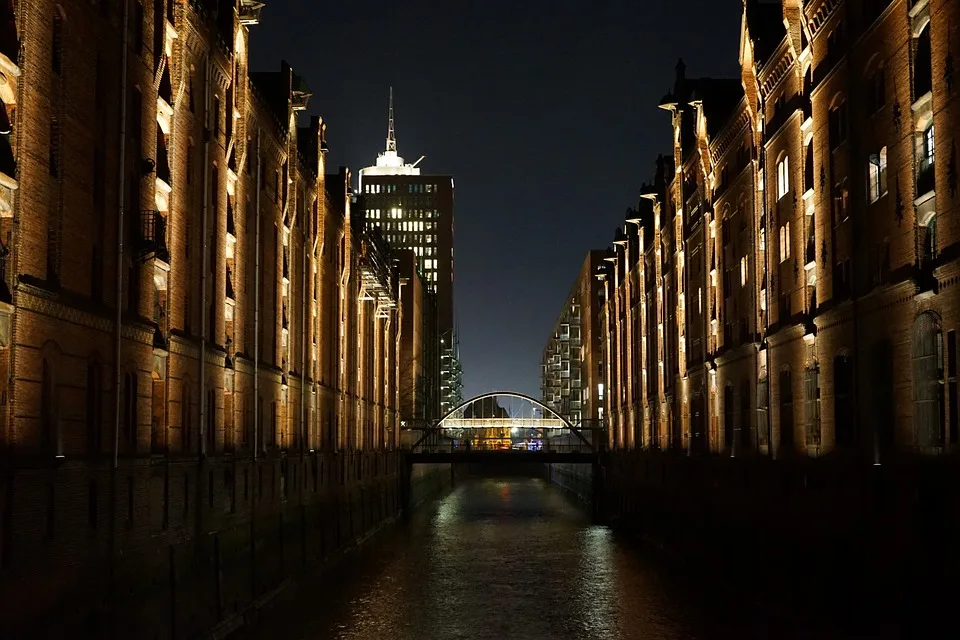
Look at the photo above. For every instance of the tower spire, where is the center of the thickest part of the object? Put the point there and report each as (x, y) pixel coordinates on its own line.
(391, 134)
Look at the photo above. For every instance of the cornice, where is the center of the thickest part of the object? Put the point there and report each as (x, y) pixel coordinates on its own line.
(729, 134)
(774, 73)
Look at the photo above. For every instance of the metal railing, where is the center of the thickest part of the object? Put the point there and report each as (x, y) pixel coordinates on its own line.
(153, 235)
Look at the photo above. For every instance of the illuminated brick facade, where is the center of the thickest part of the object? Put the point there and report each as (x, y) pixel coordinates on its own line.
(251, 422)
(801, 253)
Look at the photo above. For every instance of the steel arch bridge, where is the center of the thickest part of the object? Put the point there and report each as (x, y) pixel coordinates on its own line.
(503, 426)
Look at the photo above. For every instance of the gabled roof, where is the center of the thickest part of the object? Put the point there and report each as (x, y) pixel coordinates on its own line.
(719, 98)
(764, 20)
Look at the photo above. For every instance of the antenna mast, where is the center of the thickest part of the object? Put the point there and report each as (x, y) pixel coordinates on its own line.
(391, 133)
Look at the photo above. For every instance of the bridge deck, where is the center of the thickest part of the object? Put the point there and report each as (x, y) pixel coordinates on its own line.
(502, 457)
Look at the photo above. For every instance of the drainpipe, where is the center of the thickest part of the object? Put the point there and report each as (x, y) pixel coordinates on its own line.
(256, 313)
(204, 265)
(766, 260)
(119, 300)
(303, 343)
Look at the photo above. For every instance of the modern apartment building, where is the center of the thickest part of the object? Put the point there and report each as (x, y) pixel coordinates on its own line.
(572, 369)
(796, 261)
(198, 336)
(414, 211)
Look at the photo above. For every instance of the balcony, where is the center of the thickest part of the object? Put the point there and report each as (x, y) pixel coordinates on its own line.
(153, 236)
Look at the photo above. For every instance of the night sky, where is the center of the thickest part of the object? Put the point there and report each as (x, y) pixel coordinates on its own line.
(544, 111)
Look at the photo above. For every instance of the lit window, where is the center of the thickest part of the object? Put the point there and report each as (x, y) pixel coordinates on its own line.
(743, 271)
(785, 242)
(927, 156)
(877, 169)
(783, 177)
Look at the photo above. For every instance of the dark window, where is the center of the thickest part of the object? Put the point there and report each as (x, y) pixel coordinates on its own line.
(928, 416)
(838, 125)
(786, 412)
(130, 408)
(843, 409)
(216, 117)
(952, 382)
(812, 405)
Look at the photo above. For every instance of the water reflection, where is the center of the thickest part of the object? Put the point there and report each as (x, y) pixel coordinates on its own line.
(494, 559)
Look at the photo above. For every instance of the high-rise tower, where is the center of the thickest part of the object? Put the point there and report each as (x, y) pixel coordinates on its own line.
(414, 210)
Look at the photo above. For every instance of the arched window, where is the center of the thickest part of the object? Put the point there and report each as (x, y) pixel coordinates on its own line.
(811, 401)
(808, 167)
(922, 64)
(50, 440)
(786, 411)
(876, 90)
(783, 177)
(158, 417)
(837, 120)
(844, 420)
(763, 413)
(928, 383)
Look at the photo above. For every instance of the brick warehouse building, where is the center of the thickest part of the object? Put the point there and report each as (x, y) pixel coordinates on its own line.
(250, 425)
(799, 266)
(781, 310)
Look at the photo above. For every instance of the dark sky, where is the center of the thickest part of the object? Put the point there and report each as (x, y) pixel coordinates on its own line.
(544, 111)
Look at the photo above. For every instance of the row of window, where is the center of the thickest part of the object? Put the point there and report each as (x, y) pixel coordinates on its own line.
(406, 225)
(392, 188)
(407, 240)
(396, 213)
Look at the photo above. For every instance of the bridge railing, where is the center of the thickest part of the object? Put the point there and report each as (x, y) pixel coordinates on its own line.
(585, 440)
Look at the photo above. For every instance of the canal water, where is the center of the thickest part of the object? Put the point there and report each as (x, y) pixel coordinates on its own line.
(516, 559)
